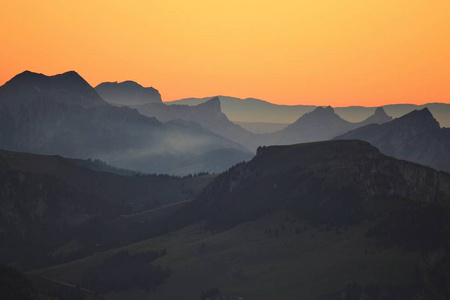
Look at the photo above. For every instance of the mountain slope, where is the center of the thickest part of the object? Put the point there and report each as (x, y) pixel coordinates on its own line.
(15, 285)
(127, 93)
(328, 182)
(216, 161)
(252, 110)
(416, 137)
(45, 200)
(207, 114)
(69, 88)
(64, 115)
(305, 221)
(320, 124)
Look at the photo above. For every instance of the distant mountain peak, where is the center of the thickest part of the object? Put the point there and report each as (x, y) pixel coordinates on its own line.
(321, 112)
(128, 83)
(68, 87)
(324, 108)
(380, 112)
(31, 74)
(26, 73)
(128, 93)
(423, 118)
(379, 117)
(215, 102)
(71, 73)
(211, 106)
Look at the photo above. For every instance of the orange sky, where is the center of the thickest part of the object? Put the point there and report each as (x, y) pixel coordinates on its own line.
(322, 52)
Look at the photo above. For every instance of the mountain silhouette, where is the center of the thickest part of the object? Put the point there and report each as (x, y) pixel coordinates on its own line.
(207, 114)
(319, 125)
(68, 88)
(314, 180)
(416, 137)
(379, 117)
(127, 93)
(64, 115)
(260, 111)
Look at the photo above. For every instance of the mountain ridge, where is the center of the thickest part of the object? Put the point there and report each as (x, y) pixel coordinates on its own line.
(65, 115)
(69, 88)
(321, 124)
(238, 110)
(416, 137)
(127, 93)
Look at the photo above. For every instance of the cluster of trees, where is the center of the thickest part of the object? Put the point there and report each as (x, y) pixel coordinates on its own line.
(124, 271)
(164, 175)
(101, 166)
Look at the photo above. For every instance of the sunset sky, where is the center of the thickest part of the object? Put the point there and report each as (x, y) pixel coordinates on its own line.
(321, 52)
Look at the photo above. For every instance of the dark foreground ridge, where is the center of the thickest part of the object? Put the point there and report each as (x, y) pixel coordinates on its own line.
(325, 220)
(328, 182)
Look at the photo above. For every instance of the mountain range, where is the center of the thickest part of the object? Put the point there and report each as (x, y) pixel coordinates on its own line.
(416, 137)
(259, 111)
(207, 114)
(64, 115)
(323, 209)
(320, 124)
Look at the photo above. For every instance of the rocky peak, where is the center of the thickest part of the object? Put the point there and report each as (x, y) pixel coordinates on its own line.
(212, 106)
(327, 110)
(128, 93)
(68, 88)
(379, 112)
(420, 119)
(379, 117)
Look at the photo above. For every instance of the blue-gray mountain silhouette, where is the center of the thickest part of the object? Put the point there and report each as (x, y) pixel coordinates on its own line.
(127, 93)
(416, 137)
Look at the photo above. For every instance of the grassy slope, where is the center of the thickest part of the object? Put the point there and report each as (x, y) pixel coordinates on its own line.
(244, 261)
(143, 189)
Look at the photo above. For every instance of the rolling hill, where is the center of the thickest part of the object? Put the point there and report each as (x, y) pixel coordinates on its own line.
(49, 200)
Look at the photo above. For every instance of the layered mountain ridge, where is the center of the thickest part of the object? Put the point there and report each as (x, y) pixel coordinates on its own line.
(319, 125)
(64, 115)
(416, 137)
(256, 110)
